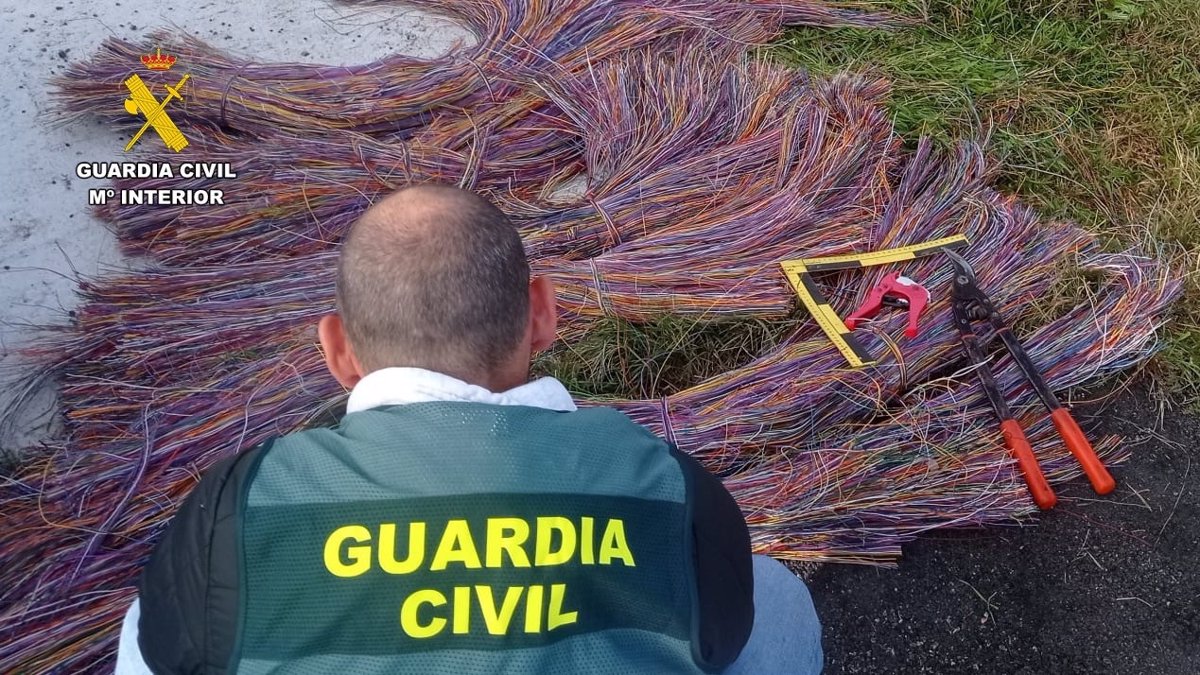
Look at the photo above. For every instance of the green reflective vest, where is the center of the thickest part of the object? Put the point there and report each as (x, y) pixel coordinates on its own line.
(460, 537)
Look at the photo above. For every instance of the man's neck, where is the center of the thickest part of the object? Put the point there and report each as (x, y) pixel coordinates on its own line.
(502, 379)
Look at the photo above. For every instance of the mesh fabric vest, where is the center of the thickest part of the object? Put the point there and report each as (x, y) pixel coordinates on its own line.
(467, 538)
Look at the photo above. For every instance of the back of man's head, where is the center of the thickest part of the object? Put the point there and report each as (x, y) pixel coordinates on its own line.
(434, 277)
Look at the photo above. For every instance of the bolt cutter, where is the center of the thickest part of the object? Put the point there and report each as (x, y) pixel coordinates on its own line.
(972, 304)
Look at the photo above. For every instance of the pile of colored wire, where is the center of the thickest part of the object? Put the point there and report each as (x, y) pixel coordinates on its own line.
(653, 168)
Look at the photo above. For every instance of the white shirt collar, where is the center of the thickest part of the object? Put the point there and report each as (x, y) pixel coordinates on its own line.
(399, 386)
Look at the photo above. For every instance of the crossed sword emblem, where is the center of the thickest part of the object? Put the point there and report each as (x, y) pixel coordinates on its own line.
(143, 102)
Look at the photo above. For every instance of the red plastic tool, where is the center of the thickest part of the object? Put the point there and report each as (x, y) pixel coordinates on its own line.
(897, 291)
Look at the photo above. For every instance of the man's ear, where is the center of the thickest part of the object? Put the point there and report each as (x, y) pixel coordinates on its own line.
(339, 355)
(543, 314)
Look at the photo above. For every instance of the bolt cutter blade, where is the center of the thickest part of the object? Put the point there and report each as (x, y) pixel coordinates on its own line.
(961, 266)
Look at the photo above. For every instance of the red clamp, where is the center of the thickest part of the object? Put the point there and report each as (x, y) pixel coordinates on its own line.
(895, 291)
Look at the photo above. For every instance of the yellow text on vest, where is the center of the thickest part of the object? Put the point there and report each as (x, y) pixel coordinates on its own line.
(352, 550)
(497, 612)
(349, 549)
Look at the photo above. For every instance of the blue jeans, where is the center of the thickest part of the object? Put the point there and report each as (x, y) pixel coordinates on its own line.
(786, 639)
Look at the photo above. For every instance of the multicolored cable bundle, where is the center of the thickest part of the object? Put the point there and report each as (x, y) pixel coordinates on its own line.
(701, 169)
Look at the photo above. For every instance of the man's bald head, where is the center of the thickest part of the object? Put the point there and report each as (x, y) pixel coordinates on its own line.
(433, 277)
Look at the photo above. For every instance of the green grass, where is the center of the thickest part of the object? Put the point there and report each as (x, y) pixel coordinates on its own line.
(616, 359)
(1090, 107)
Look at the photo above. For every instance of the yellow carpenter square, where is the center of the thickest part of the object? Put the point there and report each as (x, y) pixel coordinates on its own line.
(891, 255)
(799, 273)
(827, 319)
